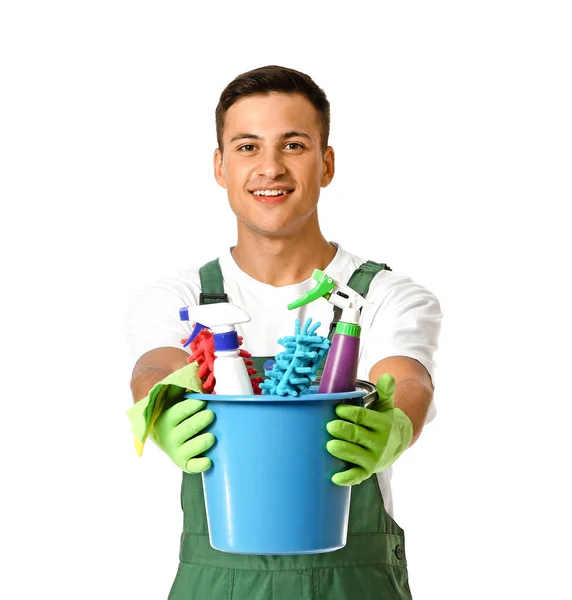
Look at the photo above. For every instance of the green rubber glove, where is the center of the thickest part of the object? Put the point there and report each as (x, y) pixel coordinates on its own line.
(176, 433)
(371, 438)
(172, 423)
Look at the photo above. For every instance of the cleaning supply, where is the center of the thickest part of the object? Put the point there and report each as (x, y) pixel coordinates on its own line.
(269, 490)
(340, 370)
(203, 352)
(294, 369)
(230, 372)
(371, 438)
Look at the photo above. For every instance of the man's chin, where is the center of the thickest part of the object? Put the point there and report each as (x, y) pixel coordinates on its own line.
(270, 230)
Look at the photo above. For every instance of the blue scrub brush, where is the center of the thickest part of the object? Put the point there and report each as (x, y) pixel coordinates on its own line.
(295, 368)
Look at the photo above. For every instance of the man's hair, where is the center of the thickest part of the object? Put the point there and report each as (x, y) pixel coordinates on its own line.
(265, 80)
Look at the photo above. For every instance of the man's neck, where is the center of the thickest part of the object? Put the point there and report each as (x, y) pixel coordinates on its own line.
(282, 261)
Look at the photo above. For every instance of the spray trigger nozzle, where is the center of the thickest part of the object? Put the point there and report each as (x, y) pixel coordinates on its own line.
(196, 330)
(323, 289)
(335, 293)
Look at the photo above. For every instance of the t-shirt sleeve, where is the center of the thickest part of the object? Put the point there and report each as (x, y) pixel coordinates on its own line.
(152, 317)
(402, 318)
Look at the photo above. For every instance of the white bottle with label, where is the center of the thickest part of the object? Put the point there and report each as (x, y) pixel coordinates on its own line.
(230, 372)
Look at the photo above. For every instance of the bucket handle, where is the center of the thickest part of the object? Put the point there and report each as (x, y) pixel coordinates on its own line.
(361, 384)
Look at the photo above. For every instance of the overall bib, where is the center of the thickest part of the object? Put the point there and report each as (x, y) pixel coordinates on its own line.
(372, 565)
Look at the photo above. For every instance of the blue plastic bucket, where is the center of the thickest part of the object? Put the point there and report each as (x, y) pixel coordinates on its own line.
(269, 490)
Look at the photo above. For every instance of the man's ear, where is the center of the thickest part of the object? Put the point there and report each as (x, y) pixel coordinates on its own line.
(329, 167)
(218, 170)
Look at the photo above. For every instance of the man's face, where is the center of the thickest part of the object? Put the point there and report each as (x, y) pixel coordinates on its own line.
(272, 164)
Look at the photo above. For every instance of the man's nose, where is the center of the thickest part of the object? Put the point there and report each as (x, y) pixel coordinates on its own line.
(271, 164)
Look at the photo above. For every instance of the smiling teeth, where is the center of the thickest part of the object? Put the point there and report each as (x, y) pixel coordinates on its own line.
(270, 192)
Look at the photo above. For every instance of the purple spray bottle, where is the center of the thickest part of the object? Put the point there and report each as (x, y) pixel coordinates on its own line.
(340, 370)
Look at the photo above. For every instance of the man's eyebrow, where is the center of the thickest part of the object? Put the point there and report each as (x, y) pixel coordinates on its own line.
(282, 136)
(245, 136)
(291, 134)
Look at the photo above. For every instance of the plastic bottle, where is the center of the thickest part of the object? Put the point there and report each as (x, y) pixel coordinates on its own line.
(229, 370)
(340, 370)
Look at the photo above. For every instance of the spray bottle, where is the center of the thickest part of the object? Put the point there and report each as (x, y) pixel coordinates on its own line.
(340, 370)
(229, 370)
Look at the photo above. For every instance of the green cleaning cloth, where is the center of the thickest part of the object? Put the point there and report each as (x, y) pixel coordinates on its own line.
(164, 394)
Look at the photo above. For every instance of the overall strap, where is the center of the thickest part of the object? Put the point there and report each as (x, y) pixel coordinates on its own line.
(359, 282)
(363, 275)
(212, 287)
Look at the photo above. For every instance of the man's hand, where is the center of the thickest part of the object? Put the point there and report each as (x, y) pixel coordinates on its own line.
(176, 433)
(371, 438)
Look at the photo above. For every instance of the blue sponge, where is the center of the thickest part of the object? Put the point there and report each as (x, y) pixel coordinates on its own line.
(295, 367)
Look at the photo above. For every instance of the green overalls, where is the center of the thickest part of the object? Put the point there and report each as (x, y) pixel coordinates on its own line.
(372, 565)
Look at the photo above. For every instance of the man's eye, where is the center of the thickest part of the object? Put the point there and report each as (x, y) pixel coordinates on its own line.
(247, 148)
(294, 146)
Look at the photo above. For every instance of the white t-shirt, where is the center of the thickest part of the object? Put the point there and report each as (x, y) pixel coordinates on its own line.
(400, 318)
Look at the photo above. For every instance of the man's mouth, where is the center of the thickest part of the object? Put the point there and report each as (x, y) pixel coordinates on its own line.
(269, 193)
(270, 197)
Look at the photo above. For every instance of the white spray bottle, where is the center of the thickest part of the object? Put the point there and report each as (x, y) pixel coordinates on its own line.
(230, 372)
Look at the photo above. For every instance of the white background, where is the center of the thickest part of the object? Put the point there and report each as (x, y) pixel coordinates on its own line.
(452, 124)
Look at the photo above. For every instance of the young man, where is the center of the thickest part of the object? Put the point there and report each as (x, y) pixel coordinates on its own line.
(273, 159)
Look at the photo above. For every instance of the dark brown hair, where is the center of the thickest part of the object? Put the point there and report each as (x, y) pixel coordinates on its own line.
(274, 79)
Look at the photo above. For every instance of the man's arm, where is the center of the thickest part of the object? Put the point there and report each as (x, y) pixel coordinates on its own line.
(153, 367)
(413, 388)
